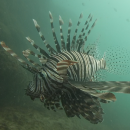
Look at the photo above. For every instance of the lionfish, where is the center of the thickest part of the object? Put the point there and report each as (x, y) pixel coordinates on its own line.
(65, 78)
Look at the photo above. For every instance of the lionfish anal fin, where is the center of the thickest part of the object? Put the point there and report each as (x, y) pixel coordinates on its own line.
(102, 95)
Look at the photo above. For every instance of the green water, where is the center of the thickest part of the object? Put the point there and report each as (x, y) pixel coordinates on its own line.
(17, 111)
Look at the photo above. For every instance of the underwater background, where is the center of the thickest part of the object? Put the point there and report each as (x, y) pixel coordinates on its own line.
(18, 111)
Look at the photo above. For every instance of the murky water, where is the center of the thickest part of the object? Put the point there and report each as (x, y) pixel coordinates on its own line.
(18, 111)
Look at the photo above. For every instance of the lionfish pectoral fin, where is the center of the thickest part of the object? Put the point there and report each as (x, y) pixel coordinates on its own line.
(105, 86)
(62, 67)
(112, 86)
(105, 95)
(6, 48)
(23, 63)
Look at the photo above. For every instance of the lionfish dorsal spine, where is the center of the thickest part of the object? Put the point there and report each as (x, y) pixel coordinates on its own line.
(41, 58)
(81, 42)
(37, 47)
(86, 25)
(68, 36)
(76, 30)
(61, 22)
(54, 34)
(50, 49)
(12, 53)
(85, 39)
(23, 63)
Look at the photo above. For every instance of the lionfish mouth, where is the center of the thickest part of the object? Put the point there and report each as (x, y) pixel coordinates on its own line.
(69, 77)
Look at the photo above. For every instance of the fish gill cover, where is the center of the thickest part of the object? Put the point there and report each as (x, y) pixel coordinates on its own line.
(70, 77)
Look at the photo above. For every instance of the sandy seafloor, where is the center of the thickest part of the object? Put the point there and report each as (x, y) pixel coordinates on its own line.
(18, 118)
(25, 118)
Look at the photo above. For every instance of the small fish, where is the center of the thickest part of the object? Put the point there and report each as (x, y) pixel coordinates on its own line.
(69, 77)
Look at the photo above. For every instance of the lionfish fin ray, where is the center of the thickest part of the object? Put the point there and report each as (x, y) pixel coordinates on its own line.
(85, 39)
(61, 34)
(6, 48)
(68, 36)
(23, 63)
(54, 34)
(41, 58)
(79, 41)
(76, 30)
(26, 54)
(48, 46)
(37, 47)
(104, 86)
(105, 96)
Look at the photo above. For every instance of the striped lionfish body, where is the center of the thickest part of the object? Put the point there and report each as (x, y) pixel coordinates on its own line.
(65, 78)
